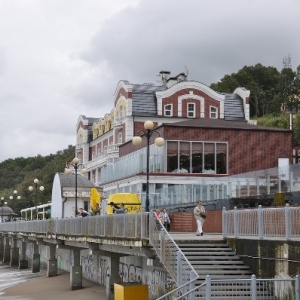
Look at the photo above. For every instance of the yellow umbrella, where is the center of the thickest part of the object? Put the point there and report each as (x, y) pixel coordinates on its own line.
(94, 198)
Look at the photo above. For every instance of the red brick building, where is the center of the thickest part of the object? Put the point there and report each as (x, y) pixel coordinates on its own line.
(208, 137)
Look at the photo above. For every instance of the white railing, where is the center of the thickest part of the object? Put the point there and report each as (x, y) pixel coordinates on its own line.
(246, 289)
(125, 226)
(280, 223)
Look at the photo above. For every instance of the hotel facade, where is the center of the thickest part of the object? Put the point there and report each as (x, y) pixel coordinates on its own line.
(208, 135)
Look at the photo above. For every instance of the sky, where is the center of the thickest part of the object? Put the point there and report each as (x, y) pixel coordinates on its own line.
(60, 59)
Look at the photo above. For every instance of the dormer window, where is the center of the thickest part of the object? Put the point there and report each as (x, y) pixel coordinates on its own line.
(168, 110)
(191, 110)
(213, 112)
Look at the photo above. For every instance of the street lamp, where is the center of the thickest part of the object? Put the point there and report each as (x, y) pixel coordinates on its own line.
(12, 197)
(159, 141)
(15, 192)
(30, 188)
(75, 165)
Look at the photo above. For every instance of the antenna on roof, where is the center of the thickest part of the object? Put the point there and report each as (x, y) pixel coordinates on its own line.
(186, 71)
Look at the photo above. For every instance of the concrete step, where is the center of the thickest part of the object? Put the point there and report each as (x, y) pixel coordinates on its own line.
(220, 267)
(219, 263)
(212, 272)
(213, 258)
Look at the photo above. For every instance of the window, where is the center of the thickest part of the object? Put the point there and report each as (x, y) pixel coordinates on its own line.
(213, 112)
(191, 110)
(120, 138)
(168, 110)
(197, 157)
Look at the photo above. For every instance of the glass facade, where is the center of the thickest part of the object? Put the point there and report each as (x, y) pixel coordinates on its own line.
(197, 157)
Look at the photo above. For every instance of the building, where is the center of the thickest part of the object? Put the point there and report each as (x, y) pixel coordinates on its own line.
(208, 137)
(63, 195)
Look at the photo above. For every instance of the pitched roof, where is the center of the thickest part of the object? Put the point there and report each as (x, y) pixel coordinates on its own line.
(69, 181)
(144, 99)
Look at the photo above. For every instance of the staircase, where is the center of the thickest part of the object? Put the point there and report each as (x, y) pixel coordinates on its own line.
(216, 259)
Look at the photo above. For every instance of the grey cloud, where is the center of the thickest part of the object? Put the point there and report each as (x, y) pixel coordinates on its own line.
(66, 59)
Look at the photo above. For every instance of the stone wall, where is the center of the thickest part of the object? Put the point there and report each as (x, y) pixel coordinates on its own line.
(269, 259)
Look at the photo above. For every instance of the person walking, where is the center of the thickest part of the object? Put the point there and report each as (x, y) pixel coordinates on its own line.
(159, 219)
(200, 215)
(165, 219)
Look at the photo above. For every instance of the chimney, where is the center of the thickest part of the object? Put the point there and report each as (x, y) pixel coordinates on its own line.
(164, 76)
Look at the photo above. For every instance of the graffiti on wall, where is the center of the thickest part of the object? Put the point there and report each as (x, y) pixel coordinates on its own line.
(89, 267)
(158, 282)
(64, 260)
(130, 273)
(103, 271)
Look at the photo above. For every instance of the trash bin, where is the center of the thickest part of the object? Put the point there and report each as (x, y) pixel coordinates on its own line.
(131, 291)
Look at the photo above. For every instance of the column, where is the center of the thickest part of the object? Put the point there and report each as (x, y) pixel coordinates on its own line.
(36, 259)
(76, 271)
(6, 250)
(113, 278)
(14, 253)
(52, 262)
(1, 247)
(23, 262)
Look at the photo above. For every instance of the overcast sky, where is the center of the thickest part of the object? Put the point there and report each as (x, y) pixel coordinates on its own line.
(63, 58)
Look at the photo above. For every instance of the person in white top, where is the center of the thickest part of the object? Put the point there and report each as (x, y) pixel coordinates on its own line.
(165, 219)
(200, 215)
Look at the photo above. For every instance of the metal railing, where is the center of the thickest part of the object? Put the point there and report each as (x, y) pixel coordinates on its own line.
(246, 289)
(125, 226)
(280, 223)
(173, 259)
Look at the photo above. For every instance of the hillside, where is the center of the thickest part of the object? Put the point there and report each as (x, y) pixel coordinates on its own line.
(19, 173)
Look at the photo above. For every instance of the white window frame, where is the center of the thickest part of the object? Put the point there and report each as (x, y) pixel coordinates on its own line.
(190, 113)
(168, 112)
(120, 135)
(213, 115)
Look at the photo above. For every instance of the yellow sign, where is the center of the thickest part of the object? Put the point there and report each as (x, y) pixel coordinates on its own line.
(131, 202)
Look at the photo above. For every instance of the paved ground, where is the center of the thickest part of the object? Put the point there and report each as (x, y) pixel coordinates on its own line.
(192, 236)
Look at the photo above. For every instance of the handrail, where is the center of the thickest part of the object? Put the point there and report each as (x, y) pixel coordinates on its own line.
(282, 288)
(170, 255)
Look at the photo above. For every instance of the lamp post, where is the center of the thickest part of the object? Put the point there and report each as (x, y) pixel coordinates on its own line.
(30, 188)
(15, 192)
(159, 141)
(68, 170)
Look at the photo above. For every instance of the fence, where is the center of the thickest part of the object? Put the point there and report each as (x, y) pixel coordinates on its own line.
(280, 223)
(246, 289)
